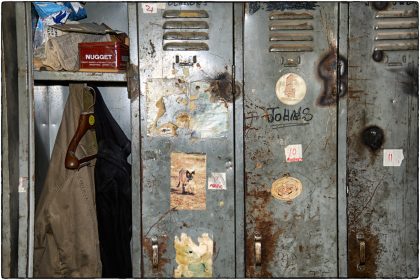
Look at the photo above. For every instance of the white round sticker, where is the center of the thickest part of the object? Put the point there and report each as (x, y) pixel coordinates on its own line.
(291, 89)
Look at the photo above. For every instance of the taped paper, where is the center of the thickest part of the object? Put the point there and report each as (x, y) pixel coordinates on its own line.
(293, 153)
(194, 261)
(393, 157)
(188, 181)
(217, 181)
(149, 8)
(22, 184)
(291, 89)
(286, 188)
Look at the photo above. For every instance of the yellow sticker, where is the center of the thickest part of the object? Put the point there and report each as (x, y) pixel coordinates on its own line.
(286, 188)
(91, 120)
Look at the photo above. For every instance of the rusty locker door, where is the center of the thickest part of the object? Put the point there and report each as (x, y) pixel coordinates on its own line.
(290, 89)
(188, 198)
(382, 140)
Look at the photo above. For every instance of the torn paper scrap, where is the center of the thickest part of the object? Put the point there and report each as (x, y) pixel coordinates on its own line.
(194, 261)
(393, 157)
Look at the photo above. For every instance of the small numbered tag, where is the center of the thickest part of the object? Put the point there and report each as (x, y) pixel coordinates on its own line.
(393, 157)
(149, 8)
(293, 153)
(91, 120)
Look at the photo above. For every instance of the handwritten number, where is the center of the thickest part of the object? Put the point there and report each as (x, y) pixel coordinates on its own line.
(149, 8)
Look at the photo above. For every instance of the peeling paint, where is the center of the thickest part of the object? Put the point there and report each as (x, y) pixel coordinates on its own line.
(178, 108)
(194, 261)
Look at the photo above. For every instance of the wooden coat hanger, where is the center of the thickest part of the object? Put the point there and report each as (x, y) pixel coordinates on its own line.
(86, 122)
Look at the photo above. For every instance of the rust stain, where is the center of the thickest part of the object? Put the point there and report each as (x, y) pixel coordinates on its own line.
(133, 82)
(264, 223)
(372, 250)
(221, 88)
(327, 71)
(163, 245)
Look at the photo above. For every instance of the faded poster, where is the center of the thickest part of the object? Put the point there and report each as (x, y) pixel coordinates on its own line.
(188, 181)
(177, 108)
(194, 261)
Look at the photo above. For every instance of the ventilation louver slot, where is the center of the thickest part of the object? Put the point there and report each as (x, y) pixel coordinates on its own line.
(396, 30)
(291, 32)
(185, 14)
(185, 33)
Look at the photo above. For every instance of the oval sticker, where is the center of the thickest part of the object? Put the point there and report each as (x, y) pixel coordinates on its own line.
(291, 89)
(286, 188)
(91, 120)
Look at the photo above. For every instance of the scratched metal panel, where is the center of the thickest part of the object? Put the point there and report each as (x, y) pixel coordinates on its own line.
(342, 149)
(10, 143)
(383, 109)
(164, 71)
(298, 237)
(238, 9)
(133, 92)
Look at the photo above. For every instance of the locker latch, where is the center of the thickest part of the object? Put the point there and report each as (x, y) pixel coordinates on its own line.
(188, 61)
(155, 254)
(362, 251)
(257, 241)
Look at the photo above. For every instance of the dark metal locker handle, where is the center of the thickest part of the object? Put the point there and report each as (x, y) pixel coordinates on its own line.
(257, 245)
(362, 251)
(155, 254)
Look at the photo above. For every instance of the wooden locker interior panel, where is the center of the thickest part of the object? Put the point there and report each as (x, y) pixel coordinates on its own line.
(383, 114)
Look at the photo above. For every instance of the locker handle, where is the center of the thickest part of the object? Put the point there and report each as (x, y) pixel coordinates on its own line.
(155, 254)
(362, 251)
(257, 241)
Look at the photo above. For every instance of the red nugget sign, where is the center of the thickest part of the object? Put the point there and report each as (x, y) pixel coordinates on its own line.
(103, 56)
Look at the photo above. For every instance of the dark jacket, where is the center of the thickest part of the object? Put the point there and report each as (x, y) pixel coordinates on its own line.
(113, 193)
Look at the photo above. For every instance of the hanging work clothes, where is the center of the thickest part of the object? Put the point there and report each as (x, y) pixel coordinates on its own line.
(113, 193)
(66, 239)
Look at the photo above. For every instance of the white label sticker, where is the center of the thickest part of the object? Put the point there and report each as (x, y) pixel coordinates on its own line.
(149, 8)
(293, 153)
(23, 181)
(393, 157)
(217, 181)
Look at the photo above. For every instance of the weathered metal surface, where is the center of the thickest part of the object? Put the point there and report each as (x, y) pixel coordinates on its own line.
(185, 14)
(10, 142)
(343, 30)
(383, 114)
(185, 25)
(238, 10)
(133, 88)
(185, 47)
(25, 153)
(291, 37)
(290, 15)
(298, 237)
(186, 36)
(180, 76)
(291, 48)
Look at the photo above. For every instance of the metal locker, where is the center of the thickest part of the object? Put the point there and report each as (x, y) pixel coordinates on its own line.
(291, 86)
(382, 138)
(187, 149)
